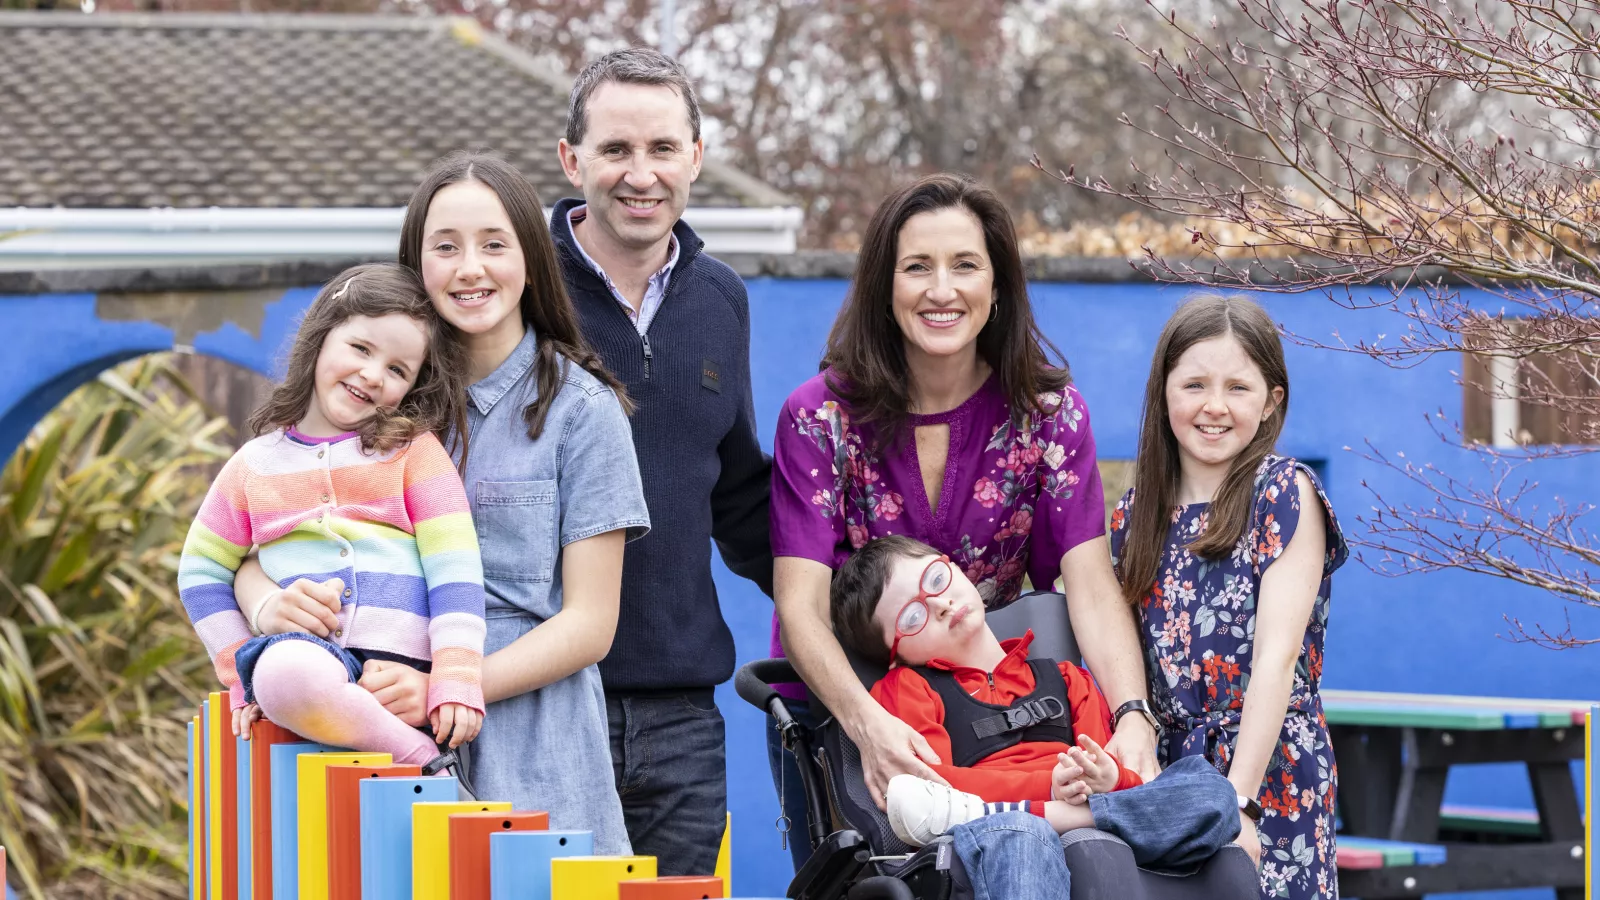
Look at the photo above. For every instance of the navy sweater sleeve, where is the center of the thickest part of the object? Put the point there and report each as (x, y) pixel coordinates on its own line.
(740, 502)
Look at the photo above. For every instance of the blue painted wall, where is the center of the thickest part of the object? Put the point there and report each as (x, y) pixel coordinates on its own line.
(1434, 633)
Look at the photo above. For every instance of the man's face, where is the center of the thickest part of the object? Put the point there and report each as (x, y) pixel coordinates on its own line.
(634, 165)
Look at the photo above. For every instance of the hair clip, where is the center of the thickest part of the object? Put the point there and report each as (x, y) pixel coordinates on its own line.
(345, 287)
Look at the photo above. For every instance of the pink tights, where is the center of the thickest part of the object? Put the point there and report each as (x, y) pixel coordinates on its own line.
(303, 688)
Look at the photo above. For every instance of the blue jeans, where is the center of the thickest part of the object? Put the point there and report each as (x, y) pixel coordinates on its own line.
(668, 752)
(786, 778)
(1174, 823)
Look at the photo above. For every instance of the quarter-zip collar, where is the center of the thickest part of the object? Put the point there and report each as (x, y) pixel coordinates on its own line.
(689, 247)
(1011, 679)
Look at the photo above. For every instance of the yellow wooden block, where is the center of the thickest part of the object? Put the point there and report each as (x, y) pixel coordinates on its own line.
(430, 844)
(197, 851)
(725, 855)
(596, 877)
(219, 716)
(311, 797)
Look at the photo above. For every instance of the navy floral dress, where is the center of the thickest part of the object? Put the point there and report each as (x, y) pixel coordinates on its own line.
(1198, 627)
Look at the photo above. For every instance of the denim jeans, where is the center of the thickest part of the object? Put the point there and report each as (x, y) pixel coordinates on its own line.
(1175, 822)
(668, 752)
(786, 779)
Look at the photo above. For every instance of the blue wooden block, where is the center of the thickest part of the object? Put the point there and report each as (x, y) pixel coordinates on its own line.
(386, 831)
(519, 861)
(1523, 720)
(286, 818)
(242, 771)
(194, 771)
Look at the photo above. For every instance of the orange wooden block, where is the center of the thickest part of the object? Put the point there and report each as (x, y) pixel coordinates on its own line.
(263, 735)
(672, 887)
(469, 847)
(344, 824)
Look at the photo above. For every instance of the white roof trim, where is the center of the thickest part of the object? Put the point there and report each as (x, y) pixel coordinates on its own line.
(53, 238)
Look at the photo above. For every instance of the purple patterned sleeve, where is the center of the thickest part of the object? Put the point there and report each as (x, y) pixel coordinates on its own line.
(805, 521)
(1071, 506)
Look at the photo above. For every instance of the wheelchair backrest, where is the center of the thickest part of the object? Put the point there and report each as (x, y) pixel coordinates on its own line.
(1046, 613)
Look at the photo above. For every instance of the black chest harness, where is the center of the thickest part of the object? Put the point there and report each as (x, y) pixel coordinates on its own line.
(979, 730)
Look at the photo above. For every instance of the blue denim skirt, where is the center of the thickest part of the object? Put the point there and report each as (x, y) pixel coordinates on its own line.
(250, 653)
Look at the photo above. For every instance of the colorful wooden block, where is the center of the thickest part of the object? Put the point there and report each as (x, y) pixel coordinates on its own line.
(241, 768)
(196, 817)
(596, 877)
(264, 736)
(223, 849)
(519, 862)
(724, 868)
(1591, 798)
(672, 887)
(386, 831)
(1353, 858)
(311, 783)
(469, 847)
(283, 763)
(430, 843)
(344, 824)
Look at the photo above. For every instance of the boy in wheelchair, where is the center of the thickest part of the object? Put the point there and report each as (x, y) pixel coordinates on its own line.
(1021, 739)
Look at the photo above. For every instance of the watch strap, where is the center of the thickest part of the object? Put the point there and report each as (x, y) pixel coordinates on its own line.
(1249, 807)
(1141, 707)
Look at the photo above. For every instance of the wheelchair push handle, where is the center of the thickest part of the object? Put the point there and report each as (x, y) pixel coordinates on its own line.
(755, 679)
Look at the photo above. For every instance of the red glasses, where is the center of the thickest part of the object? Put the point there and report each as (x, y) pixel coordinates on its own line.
(913, 617)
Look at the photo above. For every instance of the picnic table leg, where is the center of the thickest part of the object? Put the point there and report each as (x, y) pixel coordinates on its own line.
(1419, 797)
(1369, 769)
(1556, 798)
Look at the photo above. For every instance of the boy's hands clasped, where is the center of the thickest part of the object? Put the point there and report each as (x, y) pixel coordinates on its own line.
(1082, 771)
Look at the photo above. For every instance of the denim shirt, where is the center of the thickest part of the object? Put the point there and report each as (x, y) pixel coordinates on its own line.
(547, 749)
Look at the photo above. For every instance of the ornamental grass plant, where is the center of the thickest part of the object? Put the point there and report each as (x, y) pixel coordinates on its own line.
(99, 668)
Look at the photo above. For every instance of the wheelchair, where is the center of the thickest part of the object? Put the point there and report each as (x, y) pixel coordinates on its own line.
(856, 856)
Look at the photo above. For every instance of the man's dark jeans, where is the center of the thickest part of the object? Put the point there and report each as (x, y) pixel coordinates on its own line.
(668, 750)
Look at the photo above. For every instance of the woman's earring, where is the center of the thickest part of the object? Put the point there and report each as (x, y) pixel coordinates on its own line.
(994, 309)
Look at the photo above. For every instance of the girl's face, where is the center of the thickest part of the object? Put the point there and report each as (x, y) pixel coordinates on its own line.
(943, 283)
(1217, 399)
(472, 265)
(365, 363)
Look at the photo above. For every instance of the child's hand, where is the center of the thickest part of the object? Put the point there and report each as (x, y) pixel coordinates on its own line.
(402, 690)
(242, 719)
(1099, 769)
(1066, 782)
(456, 723)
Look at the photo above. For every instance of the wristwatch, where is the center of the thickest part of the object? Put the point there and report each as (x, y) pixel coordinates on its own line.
(1250, 808)
(1142, 708)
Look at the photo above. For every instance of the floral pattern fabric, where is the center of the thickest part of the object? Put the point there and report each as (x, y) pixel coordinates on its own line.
(1198, 629)
(1017, 495)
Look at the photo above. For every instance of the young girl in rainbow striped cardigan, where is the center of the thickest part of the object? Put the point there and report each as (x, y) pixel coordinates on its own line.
(348, 485)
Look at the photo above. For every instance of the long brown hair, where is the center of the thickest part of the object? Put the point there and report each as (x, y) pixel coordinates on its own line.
(1156, 471)
(545, 306)
(436, 402)
(866, 347)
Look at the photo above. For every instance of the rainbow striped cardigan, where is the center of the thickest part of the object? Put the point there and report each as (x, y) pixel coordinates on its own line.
(394, 526)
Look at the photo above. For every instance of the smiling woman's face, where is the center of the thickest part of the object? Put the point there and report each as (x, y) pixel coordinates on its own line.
(472, 264)
(943, 283)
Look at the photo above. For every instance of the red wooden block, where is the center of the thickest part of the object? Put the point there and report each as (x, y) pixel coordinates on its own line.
(344, 824)
(2, 866)
(1359, 859)
(469, 847)
(671, 887)
(263, 735)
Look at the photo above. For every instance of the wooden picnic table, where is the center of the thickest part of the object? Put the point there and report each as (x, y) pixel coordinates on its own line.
(1394, 753)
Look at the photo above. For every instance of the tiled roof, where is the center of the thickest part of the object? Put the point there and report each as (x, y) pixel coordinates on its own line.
(130, 110)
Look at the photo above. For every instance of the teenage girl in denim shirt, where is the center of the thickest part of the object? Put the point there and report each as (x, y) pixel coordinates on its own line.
(554, 490)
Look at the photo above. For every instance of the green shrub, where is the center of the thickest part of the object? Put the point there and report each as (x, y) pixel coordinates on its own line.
(99, 668)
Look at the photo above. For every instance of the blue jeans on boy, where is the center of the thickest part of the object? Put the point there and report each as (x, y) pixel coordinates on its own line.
(1174, 823)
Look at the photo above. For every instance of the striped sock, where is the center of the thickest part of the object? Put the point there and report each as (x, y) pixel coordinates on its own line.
(1025, 806)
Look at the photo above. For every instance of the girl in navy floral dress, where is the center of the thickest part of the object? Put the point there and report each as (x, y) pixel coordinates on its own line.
(1227, 555)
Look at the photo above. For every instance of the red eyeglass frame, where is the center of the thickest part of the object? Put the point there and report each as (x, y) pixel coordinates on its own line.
(922, 598)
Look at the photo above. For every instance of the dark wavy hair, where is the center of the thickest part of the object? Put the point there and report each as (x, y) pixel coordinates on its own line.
(866, 348)
(1156, 469)
(545, 307)
(436, 402)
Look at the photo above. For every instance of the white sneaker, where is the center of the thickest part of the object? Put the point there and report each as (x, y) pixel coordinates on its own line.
(920, 810)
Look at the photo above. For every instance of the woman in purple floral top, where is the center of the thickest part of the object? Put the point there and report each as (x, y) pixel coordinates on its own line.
(939, 416)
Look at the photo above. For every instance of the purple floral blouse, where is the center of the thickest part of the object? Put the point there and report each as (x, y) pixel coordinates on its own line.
(1016, 496)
